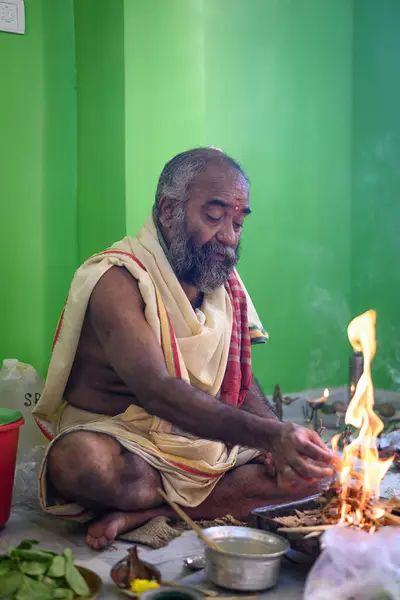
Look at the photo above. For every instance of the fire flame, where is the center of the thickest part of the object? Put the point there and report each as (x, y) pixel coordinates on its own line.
(360, 457)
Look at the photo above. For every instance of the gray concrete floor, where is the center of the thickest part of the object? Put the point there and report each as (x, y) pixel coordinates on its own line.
(27, 521)
(53, 534)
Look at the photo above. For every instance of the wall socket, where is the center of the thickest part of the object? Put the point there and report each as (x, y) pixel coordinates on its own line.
(12, 16)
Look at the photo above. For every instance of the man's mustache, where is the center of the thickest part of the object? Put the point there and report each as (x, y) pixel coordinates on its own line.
(228, 252)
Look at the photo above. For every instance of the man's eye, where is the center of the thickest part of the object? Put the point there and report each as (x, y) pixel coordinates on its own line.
(238, 226)
(214, 219)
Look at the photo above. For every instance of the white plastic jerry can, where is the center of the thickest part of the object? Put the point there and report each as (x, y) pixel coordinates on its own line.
(20, 388)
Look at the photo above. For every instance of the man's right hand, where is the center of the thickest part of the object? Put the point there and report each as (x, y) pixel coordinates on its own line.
(300, 455)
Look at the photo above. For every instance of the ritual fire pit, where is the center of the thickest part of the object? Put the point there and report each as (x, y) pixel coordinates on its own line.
(353, 499)
(272, 518)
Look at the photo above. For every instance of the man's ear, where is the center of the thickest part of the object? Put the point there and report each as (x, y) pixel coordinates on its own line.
(166, 211)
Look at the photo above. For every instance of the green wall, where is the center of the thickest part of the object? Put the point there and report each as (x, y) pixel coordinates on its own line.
(280, 78)
(304, 93)
(270, 83)
(37, 157)
(164, 93)
(376, 177)
(99, 27)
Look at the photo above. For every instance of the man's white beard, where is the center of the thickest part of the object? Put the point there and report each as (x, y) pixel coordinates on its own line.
(195, 266)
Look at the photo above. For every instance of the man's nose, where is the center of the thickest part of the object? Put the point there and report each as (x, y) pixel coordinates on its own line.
(226, 235)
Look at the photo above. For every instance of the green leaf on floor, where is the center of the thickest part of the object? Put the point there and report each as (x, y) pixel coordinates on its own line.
(27, 544)
(63, 594)
(10, 583)
(73, 577)
(34, 590)
(57, 567)
(32, 567)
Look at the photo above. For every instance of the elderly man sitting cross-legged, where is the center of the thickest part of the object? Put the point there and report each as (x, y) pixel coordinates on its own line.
(150, 381)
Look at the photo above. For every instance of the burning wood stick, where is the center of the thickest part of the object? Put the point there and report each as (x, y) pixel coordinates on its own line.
(313, 534)
(353, 499)
(391, 519)
(304, 529)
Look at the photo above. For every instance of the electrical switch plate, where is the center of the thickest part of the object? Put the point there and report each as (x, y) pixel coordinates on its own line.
(12, 16)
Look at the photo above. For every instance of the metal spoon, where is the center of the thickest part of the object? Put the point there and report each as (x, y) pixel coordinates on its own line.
(194, 563)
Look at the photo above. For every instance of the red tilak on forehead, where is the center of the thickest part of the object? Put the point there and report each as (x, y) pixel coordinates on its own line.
(237, 205)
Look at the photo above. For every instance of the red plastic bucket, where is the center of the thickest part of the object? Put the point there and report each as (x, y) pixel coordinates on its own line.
(10, 422)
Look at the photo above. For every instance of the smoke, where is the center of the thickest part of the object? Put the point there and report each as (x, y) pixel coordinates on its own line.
(328, 316)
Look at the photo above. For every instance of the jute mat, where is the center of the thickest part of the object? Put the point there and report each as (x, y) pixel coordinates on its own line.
(158, 532)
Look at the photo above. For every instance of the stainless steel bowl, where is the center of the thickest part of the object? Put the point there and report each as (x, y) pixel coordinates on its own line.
(245, 570)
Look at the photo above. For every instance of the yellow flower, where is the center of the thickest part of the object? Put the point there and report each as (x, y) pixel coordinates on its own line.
(138, 586)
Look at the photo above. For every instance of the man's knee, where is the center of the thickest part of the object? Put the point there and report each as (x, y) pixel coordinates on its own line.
(90, 469)
(82, 464)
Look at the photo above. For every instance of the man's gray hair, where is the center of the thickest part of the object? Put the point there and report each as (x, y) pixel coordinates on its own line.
(180, 171)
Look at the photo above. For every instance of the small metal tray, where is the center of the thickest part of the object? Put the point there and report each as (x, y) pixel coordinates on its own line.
(263, 518)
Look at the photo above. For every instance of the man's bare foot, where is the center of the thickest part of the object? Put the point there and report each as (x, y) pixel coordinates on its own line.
(104, 531)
